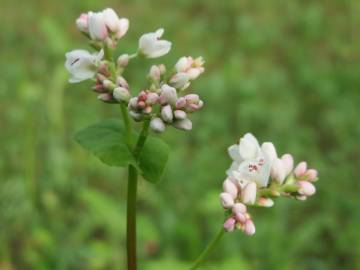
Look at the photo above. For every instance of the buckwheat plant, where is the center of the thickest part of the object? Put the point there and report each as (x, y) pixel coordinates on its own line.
(255, 178)
(257, 175)
(166, 101)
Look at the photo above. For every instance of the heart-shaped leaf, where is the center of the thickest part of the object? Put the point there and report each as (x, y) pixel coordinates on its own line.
(106, 140)
(153, 159)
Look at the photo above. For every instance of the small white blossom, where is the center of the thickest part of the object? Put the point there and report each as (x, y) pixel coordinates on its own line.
(151, 46)
(82, 65)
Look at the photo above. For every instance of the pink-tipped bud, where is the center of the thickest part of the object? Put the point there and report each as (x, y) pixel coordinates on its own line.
(249, 228)
(121, 94)
(184, 124)
(239, 208)
(157, 125)
(227, 200)
(311, 174)
(229, 224)
(240, 217)
(300, 169)
(278, 171)
(167, 114)
(306, 188)
(248, 194)
(154, 73)
(108, 84)
(265, 202)
(123, 60)
(181, 103)
(269, 149)
(152, 98)
(120, 81)
(180, 115)
(288, 162)
(106, 97)
(82, 23)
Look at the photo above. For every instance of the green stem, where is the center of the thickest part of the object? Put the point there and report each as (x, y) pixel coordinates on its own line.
(142, 138)
(127, 124)
(131, 219)
(208, 249)
(132, 189)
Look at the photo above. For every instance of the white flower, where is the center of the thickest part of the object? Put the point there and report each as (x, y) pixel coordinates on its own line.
(101, 23)
(151, 46)
(192, 67)
(269, 149)
(97, 26)
(250, 162)
(82, 65)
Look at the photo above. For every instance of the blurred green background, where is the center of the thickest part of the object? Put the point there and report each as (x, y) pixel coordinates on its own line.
(287, 71)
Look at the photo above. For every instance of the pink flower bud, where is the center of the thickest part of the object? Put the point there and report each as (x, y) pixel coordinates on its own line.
(180, 115)
(157, 125)
(106, 97)
(300, 169)
(181, 103)
(192, 98)
(155, 73)
(288, 162)
(269, 149)
(306, 188)
(167, 114)
(278, 171)
(152, 98)
(249, 228)
(120, 81)
(108, 84)
(239, 208)
(82, 22)
(133, 103)
(227, 200)
(168, 95)
(311, 174)
(265, 202)
(142, 96)
(184, 124)
(121, 94)
(240, 217)
(123, 26)
(97, 26)
(230, 188)
(123, 60)
(248, 194)
(229, 224)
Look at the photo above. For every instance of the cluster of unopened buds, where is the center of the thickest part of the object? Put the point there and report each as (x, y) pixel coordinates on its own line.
(257, 176)
(165, 101)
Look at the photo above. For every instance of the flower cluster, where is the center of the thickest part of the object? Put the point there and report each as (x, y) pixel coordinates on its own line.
(256, 176)
(165, 101)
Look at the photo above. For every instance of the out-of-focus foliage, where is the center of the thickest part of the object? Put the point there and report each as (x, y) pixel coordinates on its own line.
(288, 71)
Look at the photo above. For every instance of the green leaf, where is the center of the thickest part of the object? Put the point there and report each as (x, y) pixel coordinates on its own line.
(106, 141)
(153, 159)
